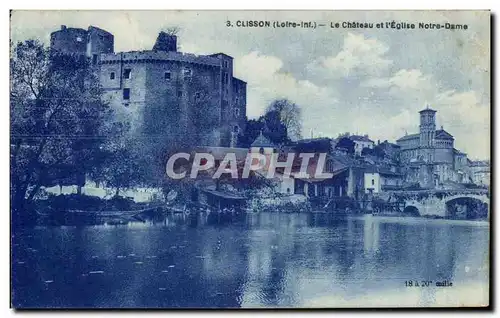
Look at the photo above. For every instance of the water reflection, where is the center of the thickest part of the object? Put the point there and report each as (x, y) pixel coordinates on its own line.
(249, 260)
(371, 234)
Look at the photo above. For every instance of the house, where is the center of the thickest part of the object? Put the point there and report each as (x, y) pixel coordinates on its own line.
(379, 179)
(263, 145)
(480, 172)
(346, 180)
(360, 143)
(390, 150)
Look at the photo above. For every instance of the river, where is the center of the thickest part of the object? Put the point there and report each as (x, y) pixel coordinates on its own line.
(254, 260)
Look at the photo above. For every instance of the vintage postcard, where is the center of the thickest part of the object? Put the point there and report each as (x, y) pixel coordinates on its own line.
(250, 159)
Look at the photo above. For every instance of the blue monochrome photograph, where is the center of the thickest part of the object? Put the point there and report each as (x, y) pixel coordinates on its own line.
(250, 159)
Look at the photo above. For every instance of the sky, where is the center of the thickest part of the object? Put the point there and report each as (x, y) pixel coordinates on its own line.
(364, 81)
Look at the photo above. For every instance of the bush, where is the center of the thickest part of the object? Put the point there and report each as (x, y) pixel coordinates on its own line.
(64, 203)
(278, 203)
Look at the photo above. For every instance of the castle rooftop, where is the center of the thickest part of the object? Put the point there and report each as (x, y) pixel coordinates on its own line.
(150, 56)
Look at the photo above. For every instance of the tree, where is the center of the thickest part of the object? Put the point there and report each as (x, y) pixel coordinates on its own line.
(252, 131)
(274, 128)
(290, 116)
(173, 30)
(271, 126)
(57, 120)
(345, 143)
(121, 168)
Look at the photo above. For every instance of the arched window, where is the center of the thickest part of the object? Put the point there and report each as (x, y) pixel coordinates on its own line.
(236, 129)
(261, 150)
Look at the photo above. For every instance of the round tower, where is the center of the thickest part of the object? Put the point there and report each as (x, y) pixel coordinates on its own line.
(71, 41)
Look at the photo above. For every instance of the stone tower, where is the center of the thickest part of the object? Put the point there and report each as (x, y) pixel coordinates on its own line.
(81, 44)
(427, 134)
(165, 42)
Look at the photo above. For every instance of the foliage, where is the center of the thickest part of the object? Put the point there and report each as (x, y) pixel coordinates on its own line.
(281, 123)
(289, 115)
(274, 129)
(252, 131)
(345, 143)
(63, 203)
(315, 145)
(57, 120)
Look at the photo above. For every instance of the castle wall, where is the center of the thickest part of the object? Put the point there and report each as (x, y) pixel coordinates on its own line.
(69, 41)
(126, 110)
(195, 94)
(99, 41)
(90, 43)
(190, 94)
(239, 104)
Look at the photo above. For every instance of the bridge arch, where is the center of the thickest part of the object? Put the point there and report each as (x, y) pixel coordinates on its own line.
(467, 206)
(411, 210)
(482, 198)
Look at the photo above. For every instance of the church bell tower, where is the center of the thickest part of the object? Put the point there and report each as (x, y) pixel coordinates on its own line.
(427, 133)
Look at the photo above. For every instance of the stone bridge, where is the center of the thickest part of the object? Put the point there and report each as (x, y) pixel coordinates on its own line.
(469, 203)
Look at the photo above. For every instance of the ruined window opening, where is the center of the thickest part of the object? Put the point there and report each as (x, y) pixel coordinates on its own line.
(126, 94)
(188, 72)
(127, 73)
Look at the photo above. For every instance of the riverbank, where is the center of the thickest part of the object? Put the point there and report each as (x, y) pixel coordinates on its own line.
(409, 220)
(83, 209)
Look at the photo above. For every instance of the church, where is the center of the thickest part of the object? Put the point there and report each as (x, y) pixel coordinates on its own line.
(429, 156)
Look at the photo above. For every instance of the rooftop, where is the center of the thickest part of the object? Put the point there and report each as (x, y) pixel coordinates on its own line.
(149, 55)
(360, 138)
(427, 110)
(480, 163)
(411, 136)
(262, 141)
(381, 170)
(390, 144)
(443, 134)
(220, 53)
